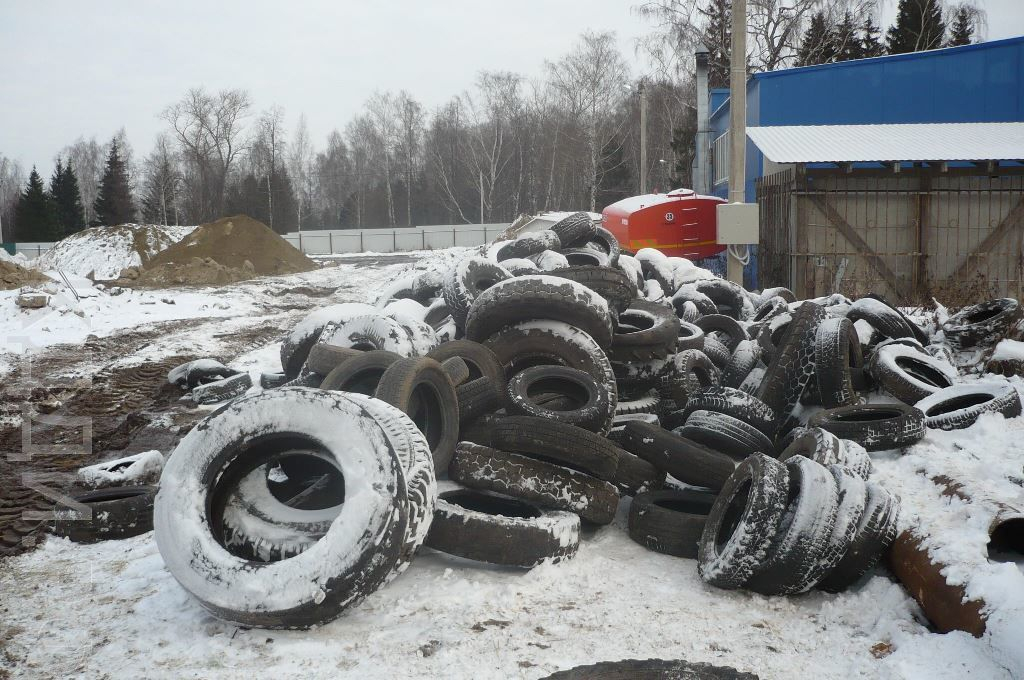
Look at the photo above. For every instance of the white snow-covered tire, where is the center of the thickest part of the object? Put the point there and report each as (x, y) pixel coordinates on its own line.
(838, 363)
(466, 281)
(959, 406)
(369, 333)
(853, 497)
(646, 403)
(297, 343)
(909, 374)
(359, 552)
(549, 260)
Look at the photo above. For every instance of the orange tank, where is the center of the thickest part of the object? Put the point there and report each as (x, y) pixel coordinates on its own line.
(679, 223)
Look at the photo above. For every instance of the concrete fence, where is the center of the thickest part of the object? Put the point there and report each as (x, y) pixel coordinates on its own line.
(436, 236)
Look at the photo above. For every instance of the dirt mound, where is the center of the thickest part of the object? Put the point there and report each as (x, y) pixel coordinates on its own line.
(103, 252)
(237, 245)
(13, 275)
(198, 271)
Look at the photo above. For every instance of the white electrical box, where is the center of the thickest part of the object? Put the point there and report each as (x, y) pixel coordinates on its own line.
(737, 223)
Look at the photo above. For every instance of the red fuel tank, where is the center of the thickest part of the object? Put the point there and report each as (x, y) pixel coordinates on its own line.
(679, 223)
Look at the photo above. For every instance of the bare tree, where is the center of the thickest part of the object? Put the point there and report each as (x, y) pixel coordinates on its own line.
(209, 131)
(300, 165)
(267, 152)
(11, 179)
(161, 183)
(382, 116)
(87, 157)
(333, 180)
(361, 135)
(410, 123)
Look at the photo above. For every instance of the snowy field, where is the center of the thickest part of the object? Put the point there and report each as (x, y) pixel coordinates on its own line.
(112, 610)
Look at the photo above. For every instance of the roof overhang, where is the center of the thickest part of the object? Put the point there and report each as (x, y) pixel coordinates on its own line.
(921, 142)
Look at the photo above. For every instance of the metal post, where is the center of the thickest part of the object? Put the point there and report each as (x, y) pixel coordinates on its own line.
(737, 121)
(643, 136)
(330, 242)
(700, 180)
(481, 197)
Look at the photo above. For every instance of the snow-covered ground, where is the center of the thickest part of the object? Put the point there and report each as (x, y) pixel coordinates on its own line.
(112, 609)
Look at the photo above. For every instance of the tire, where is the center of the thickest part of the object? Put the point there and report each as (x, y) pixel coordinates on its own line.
(422, 390)
(743, 522)
(576, 227)
(918, 333)
(670, 522)
(604, 241)
(108, 514)
(592, 407)
(694, 371)
(584, 257)
(727, 296)
(369, 333)
(690, 337)
(269, 381)
(827, 449)
(656, 268)
(465, 283)
(529, 244)
(647, 403)
(558, 443)
(361, 374)
(771, 334)
(480, 360)
(457, 371)
(360, 552)
(519, 266)
(793, 563)
(744, 359)
(717, 351)
(960, 406)
(501, 530)
(731, 402)
(875, 532)
(908, 374)
(686, 460)
(549, 260)
(876, 427)
(532, 343)
(689, 293)
(527, 298)
(199, 372)
(982, 325)
(793, 363)
(650, 669)
(882, 317)
(769, 309)
(725, 434)
(222, 390)
(478, 397)
(853, 497)
(646, 330)
(632, 269)
(324, 358)
(838, 363)
(297, 343)
(610, 283)
(635, 474)
(726, 325)
(535, 481)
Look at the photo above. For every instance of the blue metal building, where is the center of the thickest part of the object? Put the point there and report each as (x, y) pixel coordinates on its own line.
(970, 84)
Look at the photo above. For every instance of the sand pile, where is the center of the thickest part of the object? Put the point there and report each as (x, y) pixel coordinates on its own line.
(103, 252)
(230, 249)
(13, 275)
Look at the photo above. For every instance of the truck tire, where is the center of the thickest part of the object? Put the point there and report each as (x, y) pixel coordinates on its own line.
(876, 427)
(670, 522)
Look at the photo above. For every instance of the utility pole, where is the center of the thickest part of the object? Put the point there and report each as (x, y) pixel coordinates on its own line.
(643, 136)
(737, 123)
(481, 197)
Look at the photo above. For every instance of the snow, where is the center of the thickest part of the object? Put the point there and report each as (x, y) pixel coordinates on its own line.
(105, 251)
(1012, 350)
(141, 468)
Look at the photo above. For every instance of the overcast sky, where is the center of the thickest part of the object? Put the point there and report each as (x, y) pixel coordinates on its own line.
(70, 68)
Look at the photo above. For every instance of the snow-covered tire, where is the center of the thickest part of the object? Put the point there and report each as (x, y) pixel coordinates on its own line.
(632, 269)
(727, 296)
(770, 334)
(838, 363)
(535, 481)
(532, 343)
(744, 359)
(689, 293)
(731, 402)
(959, 406)
(650, 669)
(549, 260)
(269, 381)
(199, 372)
(297, 343)
(368, 333)
(716, 350)
(693, 371)
(605, 242)
(908, 374)
(853, 497)
(480, 360)
(792, 364)
(117, 512)
(779, 291)
(560, 443)
(670, 521)
(725, 326)
(360, 374)
(769, 309)
(591, 406)
(690, 337)
(793, 563)
(982, 325)
(645, 403)
(222, 390)
(876, 427)
(519, 266)
(529, 244)
(501, 530)
(635, 474)
(324, 358)
(527, 298)
(882, 317)
(584, 257)
(466, 281)
(656, 267)
(610, 283)
(743, 522)
(725, 434)
(875, 532)
(358, 553)
(688, 461)
(574, 228)
(827, 449)
(646, 330)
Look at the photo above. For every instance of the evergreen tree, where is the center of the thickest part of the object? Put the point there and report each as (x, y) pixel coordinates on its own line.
(67, 199)
(962, 32)
(718, 39)
(819, 45)
(871, 42)
(114, 201)
(35, 217)
(847, 40)
(919, 26)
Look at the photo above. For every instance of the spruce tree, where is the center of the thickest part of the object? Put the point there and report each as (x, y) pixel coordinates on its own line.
(67, 199)
(718, 39)
(918, 26)
(818, 45)
(962, 32)
(847, 40)
(114, 201)
(871, 42)
(35, 217)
